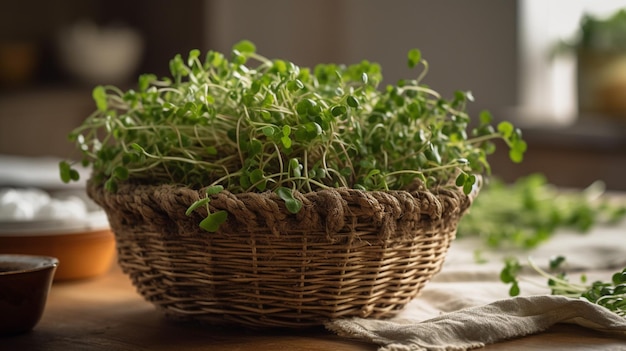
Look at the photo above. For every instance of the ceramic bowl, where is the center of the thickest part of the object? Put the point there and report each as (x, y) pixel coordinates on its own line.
(97, 54)
(25, 281)
(85, 248)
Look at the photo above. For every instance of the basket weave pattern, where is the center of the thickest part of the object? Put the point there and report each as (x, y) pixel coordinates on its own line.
(346, 253)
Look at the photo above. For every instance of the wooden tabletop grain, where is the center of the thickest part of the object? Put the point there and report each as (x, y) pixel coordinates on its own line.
(105, 313)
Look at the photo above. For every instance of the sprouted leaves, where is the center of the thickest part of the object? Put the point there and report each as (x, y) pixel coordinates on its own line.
(213, 220)
(509, 273)
(252, 124)
(609, 294)
(528, 212)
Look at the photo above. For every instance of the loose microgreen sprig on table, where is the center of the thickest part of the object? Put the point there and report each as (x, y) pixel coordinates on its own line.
(251, 124)
(609, 294)
(528, 212)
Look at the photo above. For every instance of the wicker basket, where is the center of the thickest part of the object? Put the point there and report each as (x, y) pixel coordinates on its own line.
(346, 253)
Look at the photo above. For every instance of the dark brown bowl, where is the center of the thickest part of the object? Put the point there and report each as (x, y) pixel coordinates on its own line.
(24, 284)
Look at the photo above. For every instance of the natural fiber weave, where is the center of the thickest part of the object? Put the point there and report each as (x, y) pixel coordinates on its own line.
(346, 253)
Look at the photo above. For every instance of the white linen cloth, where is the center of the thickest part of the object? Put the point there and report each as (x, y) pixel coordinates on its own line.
(477, 326)
(465, 306)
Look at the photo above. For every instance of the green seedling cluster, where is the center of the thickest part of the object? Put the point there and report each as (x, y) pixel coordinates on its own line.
(246, 123)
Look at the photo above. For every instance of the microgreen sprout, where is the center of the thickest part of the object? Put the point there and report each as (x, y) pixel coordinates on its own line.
(252, 124)
(528, 212)
(609, 294)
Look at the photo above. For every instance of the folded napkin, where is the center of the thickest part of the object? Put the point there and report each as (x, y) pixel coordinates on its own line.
(466, 306)
(478, 326)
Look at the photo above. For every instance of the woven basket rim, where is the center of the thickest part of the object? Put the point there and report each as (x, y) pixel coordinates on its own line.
(395, 212)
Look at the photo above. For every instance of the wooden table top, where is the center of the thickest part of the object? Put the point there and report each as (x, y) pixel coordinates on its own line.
(105, 313)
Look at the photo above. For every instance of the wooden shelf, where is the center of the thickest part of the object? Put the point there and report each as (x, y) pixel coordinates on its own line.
(576, 155)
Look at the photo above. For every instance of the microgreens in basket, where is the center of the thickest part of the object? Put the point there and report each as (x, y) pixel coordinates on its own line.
(251, 124)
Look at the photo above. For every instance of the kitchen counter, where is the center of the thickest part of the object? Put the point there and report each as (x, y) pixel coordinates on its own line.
(106, 313)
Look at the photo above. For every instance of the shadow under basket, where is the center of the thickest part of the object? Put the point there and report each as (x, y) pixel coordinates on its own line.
(347, 253)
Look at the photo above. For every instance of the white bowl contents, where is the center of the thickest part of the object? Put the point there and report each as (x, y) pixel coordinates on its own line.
(35, 204)
(35, 211)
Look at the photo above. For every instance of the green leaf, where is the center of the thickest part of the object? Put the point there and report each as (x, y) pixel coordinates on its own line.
(338, 110)
(269, 99)
(213, 221)
(100, 97)
(468, 185)
(268, 131)
(293, 205)
(555, 262)
(74, 175)
(619, 277)
(193, 55)
(214, 59)
(286, 130)
(520, 146)
(286, 142)
(145, 80)
(432, 153)
(506, 128)
(295, 167)
(302, 107)
(244, 181)
(414, 57)
(295, 85)
(136, 147)
(294, 163)
(257, 177)
(460, 179)
(111, 185)
(64, 171)
(280, 66)
(245, 47)
(516, 153)
(214, 189)
(237, 59)
(120, 172)
(352, 101)
(314, 110)
(485, 117)
(255, 147)
(266, 115)
(176, 66)
(508, 274)
(200, 202)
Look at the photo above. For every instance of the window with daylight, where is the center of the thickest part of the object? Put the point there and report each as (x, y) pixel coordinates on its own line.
(548, 83)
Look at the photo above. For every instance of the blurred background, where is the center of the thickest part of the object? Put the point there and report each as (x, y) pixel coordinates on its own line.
(556, 68)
